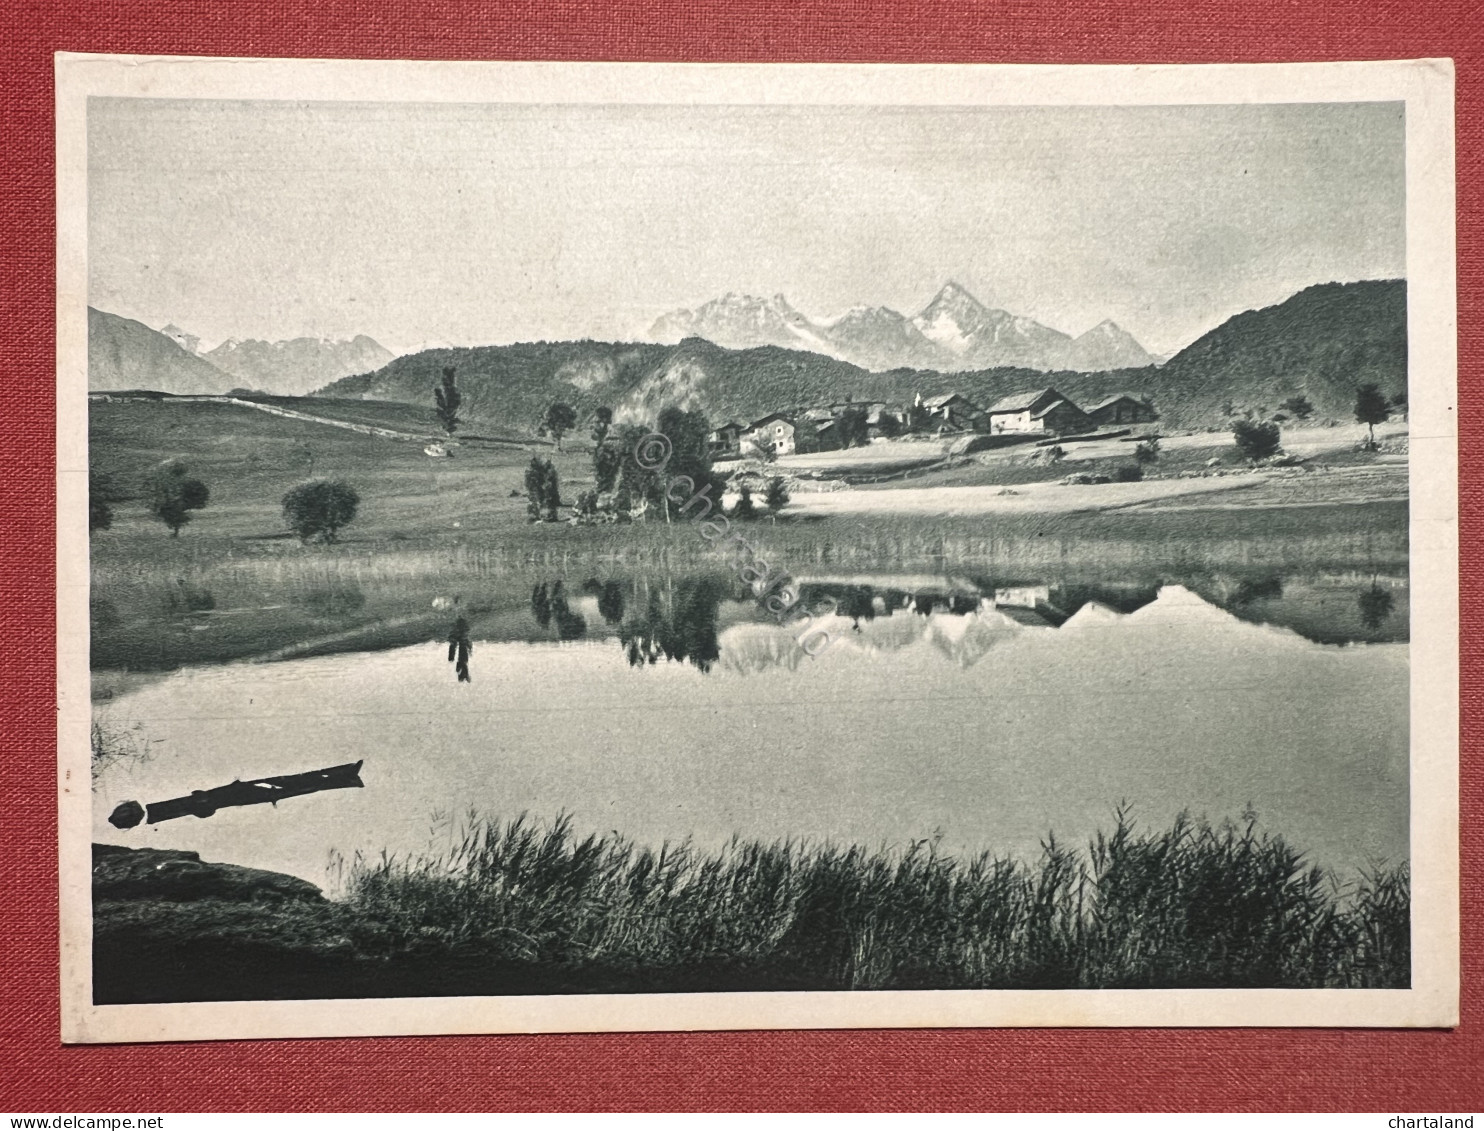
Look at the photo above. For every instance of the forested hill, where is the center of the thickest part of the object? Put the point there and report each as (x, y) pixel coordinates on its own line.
(1322, 343)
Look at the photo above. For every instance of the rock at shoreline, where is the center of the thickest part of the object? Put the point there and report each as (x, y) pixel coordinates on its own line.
(177, 877)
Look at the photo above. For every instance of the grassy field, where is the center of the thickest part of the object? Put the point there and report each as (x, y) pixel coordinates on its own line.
(519, 907)
(237, 584)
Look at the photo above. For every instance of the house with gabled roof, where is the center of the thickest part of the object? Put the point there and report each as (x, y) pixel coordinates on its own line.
(949, 412)
(776, 432)
(725, 441)
(1042, 410)
(1123, 408)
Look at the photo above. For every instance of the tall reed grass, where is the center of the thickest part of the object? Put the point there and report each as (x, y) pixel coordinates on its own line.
(1195, 905)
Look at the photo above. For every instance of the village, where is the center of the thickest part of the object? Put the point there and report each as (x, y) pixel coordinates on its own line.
(1016, 418)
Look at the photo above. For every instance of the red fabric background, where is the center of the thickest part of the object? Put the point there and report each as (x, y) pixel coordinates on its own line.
(890, 1070)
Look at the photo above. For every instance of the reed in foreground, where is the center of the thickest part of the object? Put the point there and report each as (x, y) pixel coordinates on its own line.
(1196, 905)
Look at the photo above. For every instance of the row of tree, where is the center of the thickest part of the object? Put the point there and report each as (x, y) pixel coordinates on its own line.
(317, 508)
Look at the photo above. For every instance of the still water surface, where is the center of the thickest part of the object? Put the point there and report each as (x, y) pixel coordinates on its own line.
(983, 718)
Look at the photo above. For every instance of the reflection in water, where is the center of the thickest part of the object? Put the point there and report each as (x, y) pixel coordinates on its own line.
(679, 622)
(1375, 606)
(1257, 589)
(610, 598)
(549, 604)
(184, 597)
(459, 648)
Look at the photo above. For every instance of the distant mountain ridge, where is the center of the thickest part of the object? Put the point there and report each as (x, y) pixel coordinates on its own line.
(125, 354)
(1321, 343)
(955, 332)
(297, 365)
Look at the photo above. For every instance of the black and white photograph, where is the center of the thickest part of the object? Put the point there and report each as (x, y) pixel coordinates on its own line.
(646, 546)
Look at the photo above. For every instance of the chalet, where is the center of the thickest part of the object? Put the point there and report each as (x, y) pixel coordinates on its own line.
(775, 431)
(885, 421)
(1124, 408)
(949, 412)
(1044, 410)
(726, 441)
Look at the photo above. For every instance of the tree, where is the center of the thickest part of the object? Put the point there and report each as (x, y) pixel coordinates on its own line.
(551, 492)
(535, 481)
(1371, 409)
(1298, 407)
(320, 507)
(602, 425)
(558, 421)
(1147, 451)
(745, 509)
(173, 493)
(888, 425)
(1257, 439)
(607, 460)
(448, 399)
(852, 426)
(636, 482)
(776, 496)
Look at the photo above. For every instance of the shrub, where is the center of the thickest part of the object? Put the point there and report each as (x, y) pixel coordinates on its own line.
(1128, 473)
(173, 493)
(745, 509)
(1147, 451)
(320, 508)
(1257, 439)
(543, 490)
(776, 497)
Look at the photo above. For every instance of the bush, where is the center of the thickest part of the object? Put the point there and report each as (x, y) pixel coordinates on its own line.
(1257, 439)
(320, 507)
(1147, 451)
(776, 497)
(745, 509)
(1128, 473)
(173, 493)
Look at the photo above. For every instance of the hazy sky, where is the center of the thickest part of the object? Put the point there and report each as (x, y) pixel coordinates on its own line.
(469, 224)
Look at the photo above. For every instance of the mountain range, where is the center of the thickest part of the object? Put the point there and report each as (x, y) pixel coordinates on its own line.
(1322, 343)
(298, 365)
(125, 354)
(954, 333)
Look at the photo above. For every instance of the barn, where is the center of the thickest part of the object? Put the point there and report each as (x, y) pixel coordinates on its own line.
(1123, 408)
(1045, 410)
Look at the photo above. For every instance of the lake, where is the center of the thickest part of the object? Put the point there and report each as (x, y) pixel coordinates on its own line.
(981, 713)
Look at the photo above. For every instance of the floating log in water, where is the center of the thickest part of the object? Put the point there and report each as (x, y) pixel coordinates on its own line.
(205, 802)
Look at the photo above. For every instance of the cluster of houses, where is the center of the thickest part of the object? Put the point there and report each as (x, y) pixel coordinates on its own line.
(1040, 412)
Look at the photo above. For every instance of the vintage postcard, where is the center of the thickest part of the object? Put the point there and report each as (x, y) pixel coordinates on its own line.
(573, 547)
